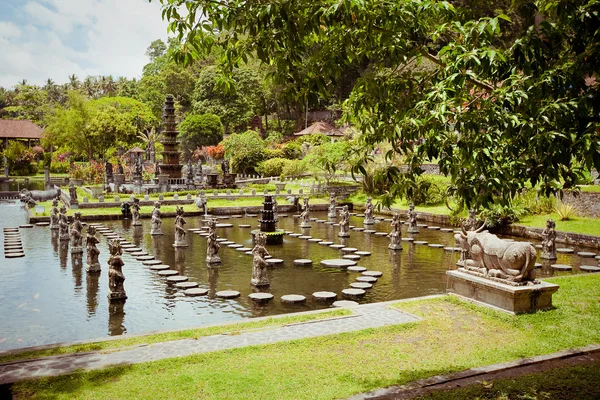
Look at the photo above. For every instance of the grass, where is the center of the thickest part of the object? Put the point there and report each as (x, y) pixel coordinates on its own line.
(402, 204)
(453, 336)
(231, 329)
(590, 188)
(587, 226)
(574, 382)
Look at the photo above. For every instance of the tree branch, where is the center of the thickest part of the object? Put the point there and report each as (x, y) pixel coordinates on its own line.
(437, 61)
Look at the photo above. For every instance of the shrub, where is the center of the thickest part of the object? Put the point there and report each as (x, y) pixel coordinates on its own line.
(246, 150)
(294, 168)
(215, 152)
(429, 192)
(272, 167)
(274, 138)
(565, 211)
(198, 131)
(292, 150)
(60, 167)
(315, 140)
(498, 215)
(20, 159)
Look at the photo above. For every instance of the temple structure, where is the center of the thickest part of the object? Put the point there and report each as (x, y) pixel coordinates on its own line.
(170, 162)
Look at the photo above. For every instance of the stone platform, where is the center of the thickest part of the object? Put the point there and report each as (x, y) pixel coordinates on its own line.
(514, 299)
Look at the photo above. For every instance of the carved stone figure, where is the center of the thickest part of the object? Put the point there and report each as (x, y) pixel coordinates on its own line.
(396, 234)
(26, 197)
(201, 204)
(76, 237)
(305, 216)
(109, 172)
(156, 221)
(92, 251)
(332, 213)
(63, 224)
(54, 215)
(369, 220)
(180, 229)
(116, 291)
(225, 167)
(344, 223)
(212, 248)
(120, 169)
(73, 193)
(497, 259)
(199, 170)
(135, 212)
(471, 223)
(549, 241)
(137, 176)
(412, 219)
(190, 173)
(259, 265)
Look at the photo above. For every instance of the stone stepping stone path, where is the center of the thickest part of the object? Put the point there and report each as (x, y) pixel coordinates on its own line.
(303, 262)
(362, 253)
(353, 257)
(586, 254)
(14, 255)
(235, 246)
(295, 235)
(243, 226)
(13, 249)
(168, 273)
(436, 245)
(325, 296)
(408, 239)
(236, 216)
(224, 225)
(268, 257)
(261, 297)
(361, 285)
(293, 298)
(338, 263)
(367, 279)
(227, 242)
(249, 253)
(288, 232)
(160, 267)
(313, 219)
(376, 274)
(223, 217)
(360, 215)
(565, 250)
(186, 285)
(381, 234)
(328, 223)
(321, 221)
(337, 246)
(204, 234)
(348, 250)
(195, 292)
(561, 267)
(228, 294)
(423, 242)
(447, 230)
(194, 229)
(221, 240)
(304, 237)
(358, 229)
(369, 231)
(139, 253)
(145, 258)
(274, 261)
(132, 249)
(421, 226)
(26, 226)
(251, 215)
(345, 303)
(177, 279)
(450, 249)
(356, 268)
(43, 224)
(152, 262)
(325, 243)
(589, 268)
(315, 240)
(244, 249)
(128, 246)
(434, 228)
(353, 292)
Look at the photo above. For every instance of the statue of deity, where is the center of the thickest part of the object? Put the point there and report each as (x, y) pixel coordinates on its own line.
(92, 251)
(212, 248)
(190, 172)
(345, 222)
(135, 212)
(305, 216)
(396, 234)
(332, 213)
(412, 219)
(116, 291)
(180, 229)
(548, 241)
(120, 169)
(109, 172)
(156, 221)
(54, 215)
(369, 220)
(259, 265)
(63, 224)
(73, 193)
(225, 167)
(76, 237)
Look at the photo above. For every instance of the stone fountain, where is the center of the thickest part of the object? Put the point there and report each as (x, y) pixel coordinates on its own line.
(268, 223)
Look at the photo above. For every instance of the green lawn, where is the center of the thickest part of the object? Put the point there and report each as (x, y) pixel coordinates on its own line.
(588, 226)
(402, 204)
(453, 336)
(590, 188)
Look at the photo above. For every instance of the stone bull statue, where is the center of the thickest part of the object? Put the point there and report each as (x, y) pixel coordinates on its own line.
(494, 257)
(39, 195)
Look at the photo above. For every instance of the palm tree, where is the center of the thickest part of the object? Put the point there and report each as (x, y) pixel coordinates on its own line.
(74, 82)
(150, 138)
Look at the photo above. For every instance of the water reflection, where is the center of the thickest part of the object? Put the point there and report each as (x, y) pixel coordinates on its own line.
(116, 311)
(77, 268)
(395, 263)
(92, 286)
(180, 260)
(63, 254)
(54, 240)
(138, 234)
(213, 279)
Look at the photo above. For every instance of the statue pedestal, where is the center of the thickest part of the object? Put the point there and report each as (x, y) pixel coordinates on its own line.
(395, 247)
(514, 299)
(212, 180)
(229, 179)
(163, 182)
(119, 179)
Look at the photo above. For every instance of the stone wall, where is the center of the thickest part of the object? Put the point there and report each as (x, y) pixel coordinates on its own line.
(586, 204)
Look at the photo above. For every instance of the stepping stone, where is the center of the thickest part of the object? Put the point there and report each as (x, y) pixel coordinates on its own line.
(293, 298)
(421, 226)
(295, 235)
(13, 251)
(186, 285)
(251, 215)
(244, 249)
(19, 248)
(177, 279)
(221, 240)
(11, 229)
(313, 219)
(129, 246)
(376, 274)
(227, 242)
(381, 234)
(195, 292)
(356, 268)
(337, 246)
(564, 250)
(360, 215)
(25, 226)
(597, 257)
(261, 297)
(420, 242)
(362, 253)
(436, 245)
(303, 262)
(274, 261)
(367, 279)
(169, 272)
(235, 246)
(194, 229)
(353, 292)
(348, 249)
(315, 240)
(289, 232)
(204, 234)
(586, 254)
(304, 237)
(132, 250)
(434, 228)
(589, 268)
(14, 255)
(268, 257)
(361, 285)
(369, 231)
(243, 226)
(249, 253)
(538, 246)
(228, 294)
(223, 217)
(43, 224)
(139, 253)
(321, 221)
(236, 216)
(144, 258)
(447, 230)
(562, 267)
(538, 265)
(325, 296)
(358, 229)
(450, 249)
(408, 239)
(328, 223)
(338, 263)
(345, 303)
(353, 257)
(160, 267)
(224, 225)
(152, 262)
(325, 243)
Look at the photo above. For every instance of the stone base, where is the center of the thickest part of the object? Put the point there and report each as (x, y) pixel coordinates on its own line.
(156, 232)
(93, 268)
(65, 238)
(514, 299)
(119, 179)
(413, 231)
(137, 223)
(213, 260)
(258, 283)
(54, 227)
(547, 256)
(117, 296)
(176, 245)
(332, 216)
(369, 222)
(344, 234)
(395, 247)
(303, 225)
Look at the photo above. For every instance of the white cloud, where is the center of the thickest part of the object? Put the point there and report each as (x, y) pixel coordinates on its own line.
(81, 37)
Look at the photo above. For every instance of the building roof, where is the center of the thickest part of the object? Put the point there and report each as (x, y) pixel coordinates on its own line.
(320, 127)
(19, 129)
(136, 149)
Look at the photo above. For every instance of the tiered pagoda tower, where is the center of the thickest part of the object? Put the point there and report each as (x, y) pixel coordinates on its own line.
(170, 162)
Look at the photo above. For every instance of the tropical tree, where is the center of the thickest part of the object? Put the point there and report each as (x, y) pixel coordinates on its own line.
(197, 131)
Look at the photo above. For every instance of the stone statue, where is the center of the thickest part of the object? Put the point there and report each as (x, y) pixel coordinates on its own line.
(212, 248)
(201, 204)
(549, 241)
(512, 263)
(344, 223)
(305, 216)
(332, 207)
(412, 219)
(92, 251)
(109, 172)
(471, 223)
(156, 221)
(54, 215)
(259, 265)
(225, 167)
(120, 169)
(138, 170)
(76, 237)
(199, 170)
(396, 234)
(63, 224)
(26, 197)
(135, 212)
(73, 193)
(180, 229)
(369, 220)
(116, 291)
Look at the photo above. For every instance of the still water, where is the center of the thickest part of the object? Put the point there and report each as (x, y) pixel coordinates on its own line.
(47, 297)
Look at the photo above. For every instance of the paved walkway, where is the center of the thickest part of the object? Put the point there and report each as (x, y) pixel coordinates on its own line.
(365, 316)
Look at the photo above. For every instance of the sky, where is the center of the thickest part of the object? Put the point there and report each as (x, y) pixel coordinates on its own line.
(41, 39)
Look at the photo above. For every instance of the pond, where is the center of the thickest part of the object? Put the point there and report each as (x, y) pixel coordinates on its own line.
(47, 297)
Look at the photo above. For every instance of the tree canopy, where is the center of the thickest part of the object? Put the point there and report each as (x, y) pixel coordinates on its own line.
(197, 131)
